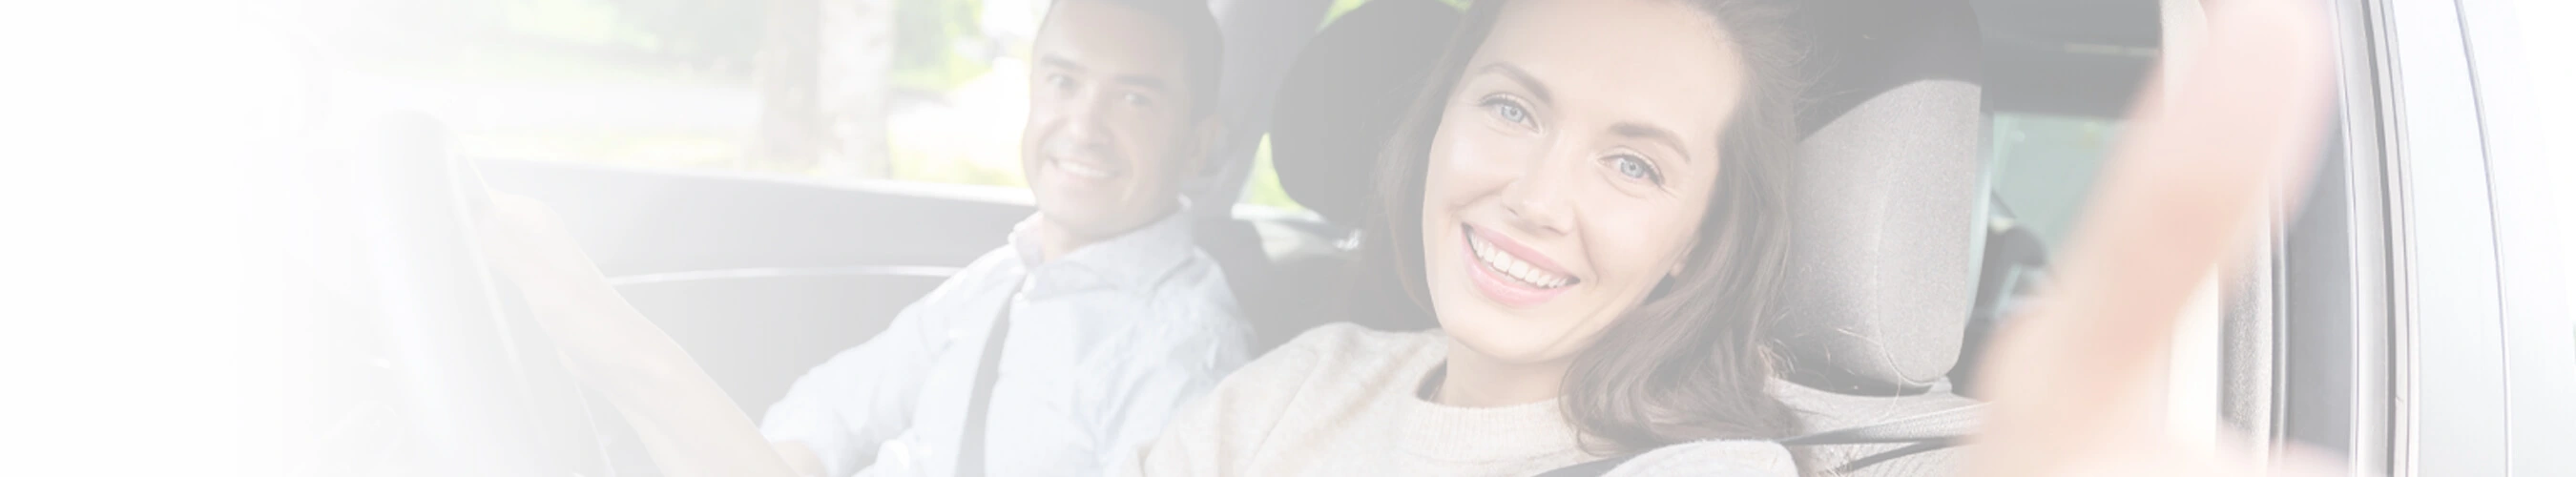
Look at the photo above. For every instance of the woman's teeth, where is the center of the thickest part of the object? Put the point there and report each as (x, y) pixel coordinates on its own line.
(1083, 171)
(1507, 265)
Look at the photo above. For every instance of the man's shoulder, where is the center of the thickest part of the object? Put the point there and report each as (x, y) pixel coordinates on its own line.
(1193, 303)
(992, 270)
(1186, 294)
(1198, 284)
(1001, 259)
(1188, 308)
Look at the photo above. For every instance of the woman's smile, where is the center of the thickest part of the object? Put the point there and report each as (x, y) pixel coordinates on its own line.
(1512, 274)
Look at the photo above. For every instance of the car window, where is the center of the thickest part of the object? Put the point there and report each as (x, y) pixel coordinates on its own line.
(2044, 166)
(1263, 188)
(703, 85)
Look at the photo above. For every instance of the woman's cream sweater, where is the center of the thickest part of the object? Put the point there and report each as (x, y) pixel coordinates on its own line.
(1342, 400)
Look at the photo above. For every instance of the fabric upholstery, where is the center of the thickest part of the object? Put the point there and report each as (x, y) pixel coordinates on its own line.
(1887, 197)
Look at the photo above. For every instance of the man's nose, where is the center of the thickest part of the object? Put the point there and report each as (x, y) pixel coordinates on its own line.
(1086, 124)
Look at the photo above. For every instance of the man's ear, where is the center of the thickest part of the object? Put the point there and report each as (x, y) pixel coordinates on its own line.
(1206, 132)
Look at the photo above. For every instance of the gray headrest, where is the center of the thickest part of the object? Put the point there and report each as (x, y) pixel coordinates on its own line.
(1887, 197)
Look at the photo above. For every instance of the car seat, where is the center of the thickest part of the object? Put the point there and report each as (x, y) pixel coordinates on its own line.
(1890, 202)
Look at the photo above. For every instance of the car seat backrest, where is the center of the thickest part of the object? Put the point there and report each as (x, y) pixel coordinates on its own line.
(1889, 206)
(1887, 197)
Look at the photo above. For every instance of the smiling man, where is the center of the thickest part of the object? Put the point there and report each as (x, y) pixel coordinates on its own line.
(1073, 344)
(1055, 355)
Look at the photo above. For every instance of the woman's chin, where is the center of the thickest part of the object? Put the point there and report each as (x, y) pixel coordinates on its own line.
(1506, 338)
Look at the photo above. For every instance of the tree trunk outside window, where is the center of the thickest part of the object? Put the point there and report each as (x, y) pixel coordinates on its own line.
(823, 79)
(856, 72)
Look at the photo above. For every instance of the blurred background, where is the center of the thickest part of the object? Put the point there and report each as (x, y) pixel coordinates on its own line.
(926, 91)
(906, 90)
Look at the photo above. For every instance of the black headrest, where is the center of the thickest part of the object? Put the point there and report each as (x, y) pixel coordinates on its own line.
(1344, 97)
(1887, 197)
(1862, 48)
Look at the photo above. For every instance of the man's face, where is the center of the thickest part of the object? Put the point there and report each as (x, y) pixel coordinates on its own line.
(1110, 135)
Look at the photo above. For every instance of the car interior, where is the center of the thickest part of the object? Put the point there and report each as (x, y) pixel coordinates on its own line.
(1929, 124)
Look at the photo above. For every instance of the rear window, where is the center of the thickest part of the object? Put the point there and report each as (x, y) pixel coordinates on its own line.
(2044, 166)
(695, 84)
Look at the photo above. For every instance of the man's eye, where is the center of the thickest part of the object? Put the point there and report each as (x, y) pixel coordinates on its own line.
(1636, 168)
(1058, 80)
(1508, 110)
(1136, 99)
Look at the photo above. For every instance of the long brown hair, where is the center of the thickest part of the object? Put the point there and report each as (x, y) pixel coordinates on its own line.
(1692, 361)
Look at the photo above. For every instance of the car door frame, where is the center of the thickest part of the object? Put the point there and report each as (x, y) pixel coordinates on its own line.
(2419, 335)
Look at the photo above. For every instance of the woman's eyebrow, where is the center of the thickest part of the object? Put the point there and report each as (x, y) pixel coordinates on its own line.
(1537, 90)
(1651, 133)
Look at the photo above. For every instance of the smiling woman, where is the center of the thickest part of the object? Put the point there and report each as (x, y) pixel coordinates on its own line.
(1588, 198)
(1598, 195)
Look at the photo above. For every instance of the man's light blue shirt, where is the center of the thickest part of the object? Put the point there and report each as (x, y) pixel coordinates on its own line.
(1106, 342)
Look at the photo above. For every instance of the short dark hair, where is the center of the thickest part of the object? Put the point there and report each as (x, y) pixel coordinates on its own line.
(1204, 41)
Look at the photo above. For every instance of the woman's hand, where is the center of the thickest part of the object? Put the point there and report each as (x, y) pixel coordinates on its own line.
(2078, 384)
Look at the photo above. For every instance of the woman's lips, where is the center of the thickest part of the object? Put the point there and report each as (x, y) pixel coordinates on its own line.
(1506, 290)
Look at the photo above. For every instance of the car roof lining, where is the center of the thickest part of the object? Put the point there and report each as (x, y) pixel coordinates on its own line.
(2067, 57)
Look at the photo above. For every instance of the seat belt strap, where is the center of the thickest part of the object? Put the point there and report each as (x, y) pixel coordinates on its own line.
(1946, 424)
(970, 447)
(1589, 469)
(1921, 433)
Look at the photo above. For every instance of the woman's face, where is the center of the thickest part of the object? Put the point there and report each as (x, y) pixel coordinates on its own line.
(1570, 171)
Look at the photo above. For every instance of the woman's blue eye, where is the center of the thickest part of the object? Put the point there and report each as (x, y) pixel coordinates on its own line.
(1508, 110)
(1636, 168)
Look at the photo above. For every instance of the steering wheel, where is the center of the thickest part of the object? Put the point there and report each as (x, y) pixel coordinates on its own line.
(476, 391)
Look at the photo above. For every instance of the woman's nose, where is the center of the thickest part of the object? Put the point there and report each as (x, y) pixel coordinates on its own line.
(1538, 201)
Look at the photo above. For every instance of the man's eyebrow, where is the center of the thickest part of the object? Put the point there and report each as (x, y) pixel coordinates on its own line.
(1652, 133)
(1141, 81)
(1138, 81)
(1059, 62)
(1537, 90)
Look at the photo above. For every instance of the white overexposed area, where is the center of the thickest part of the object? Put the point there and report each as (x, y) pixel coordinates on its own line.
(2550, 58)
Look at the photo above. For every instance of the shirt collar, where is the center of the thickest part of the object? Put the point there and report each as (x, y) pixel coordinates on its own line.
(1134, 259)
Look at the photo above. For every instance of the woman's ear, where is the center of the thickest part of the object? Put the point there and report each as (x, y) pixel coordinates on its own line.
(1682, 259)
